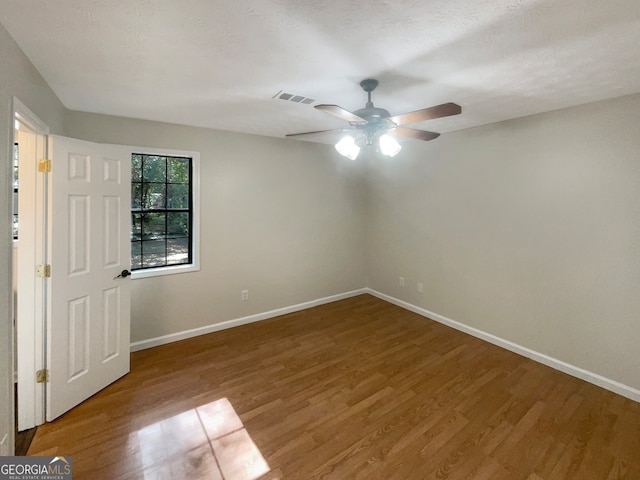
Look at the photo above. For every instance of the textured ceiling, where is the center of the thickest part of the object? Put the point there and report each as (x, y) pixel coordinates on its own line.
(217, 63)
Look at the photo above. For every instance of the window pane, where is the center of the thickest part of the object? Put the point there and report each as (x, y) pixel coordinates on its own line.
(136, 255)
(136, 168)
(153, 226)
(154, 168)
(136, 227)
(178, 250)
(153, 196)
(15, 215)
(154, 253)
(177, 196)
(15, 165)
(177, 224)
(15, 191)
(136, 196)
(178, 170)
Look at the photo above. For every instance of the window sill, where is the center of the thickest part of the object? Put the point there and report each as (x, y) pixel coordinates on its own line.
(161, 271)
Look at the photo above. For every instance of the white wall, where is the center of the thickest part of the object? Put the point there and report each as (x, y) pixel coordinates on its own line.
(18, 78)
(528, 230)
(281, 218)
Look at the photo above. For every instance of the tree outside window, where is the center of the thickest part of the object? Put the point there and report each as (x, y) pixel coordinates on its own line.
(161, 211)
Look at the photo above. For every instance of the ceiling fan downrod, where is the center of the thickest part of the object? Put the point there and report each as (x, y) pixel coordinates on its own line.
(369, 85)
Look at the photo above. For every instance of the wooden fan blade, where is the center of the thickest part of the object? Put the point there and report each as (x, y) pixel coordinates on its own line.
(314, 133)
(439, 111)
(414, 133)
(341, 113)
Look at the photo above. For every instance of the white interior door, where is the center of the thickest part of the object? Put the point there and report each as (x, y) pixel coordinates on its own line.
(88, 317)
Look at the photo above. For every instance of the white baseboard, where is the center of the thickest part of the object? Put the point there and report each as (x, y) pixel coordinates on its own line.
(174, 337)
(586, 375)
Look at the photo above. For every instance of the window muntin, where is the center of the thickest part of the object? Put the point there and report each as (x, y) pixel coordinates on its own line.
(162, 213)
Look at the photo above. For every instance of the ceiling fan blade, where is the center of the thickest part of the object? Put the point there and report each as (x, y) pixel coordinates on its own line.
(314, 133)
(341, 113)
(415, 134)
(439, 111)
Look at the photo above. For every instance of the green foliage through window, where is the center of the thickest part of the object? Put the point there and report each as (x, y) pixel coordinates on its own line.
(161, 211)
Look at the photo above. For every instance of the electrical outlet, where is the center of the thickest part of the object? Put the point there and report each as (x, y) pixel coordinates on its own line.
(420, 288)
(244, 294)
(401, 281)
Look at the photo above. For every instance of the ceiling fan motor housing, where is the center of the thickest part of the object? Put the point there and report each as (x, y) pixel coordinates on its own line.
(372, 113)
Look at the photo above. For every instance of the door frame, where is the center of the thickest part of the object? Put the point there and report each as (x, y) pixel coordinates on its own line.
(31, 332)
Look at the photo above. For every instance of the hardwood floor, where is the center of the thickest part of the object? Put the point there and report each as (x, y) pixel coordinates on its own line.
(354, 389)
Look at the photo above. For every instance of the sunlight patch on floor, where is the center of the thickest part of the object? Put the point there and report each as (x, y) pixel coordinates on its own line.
(209, 441)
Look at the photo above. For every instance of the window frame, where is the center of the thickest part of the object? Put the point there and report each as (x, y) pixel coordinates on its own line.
(194, 266)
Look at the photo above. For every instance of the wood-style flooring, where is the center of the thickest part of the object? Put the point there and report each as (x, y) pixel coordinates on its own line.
(359, 389)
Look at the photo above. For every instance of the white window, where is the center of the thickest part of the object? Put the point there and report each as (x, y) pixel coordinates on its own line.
(164, 212)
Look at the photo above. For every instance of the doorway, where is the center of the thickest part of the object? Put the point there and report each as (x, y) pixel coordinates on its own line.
(29, 223)
(29, 250)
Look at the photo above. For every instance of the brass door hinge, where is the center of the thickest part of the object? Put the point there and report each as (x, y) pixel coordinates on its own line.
(44, 165)
(43, 270)
(42, 376)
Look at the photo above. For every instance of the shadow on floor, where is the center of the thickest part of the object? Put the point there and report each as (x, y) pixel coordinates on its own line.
(24, 438)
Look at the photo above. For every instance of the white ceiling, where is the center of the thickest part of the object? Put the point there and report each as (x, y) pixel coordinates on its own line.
(218, 63)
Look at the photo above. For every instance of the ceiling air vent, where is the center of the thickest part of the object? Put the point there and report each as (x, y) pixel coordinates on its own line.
(293, 98)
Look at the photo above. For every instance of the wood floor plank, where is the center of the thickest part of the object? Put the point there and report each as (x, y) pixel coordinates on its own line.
(358, 388)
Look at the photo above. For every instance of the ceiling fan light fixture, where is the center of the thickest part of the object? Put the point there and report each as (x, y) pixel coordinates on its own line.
(347, 147)
(388, 145)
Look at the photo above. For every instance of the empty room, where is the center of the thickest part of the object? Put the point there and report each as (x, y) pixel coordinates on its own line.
(289, 239)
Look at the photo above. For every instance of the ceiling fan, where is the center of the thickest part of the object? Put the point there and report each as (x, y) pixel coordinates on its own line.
(371, 123)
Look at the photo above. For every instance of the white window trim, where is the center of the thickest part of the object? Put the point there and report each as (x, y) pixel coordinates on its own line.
(194, 266)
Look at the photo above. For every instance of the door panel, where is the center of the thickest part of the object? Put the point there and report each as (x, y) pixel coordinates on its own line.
(112, 213)
(88, 328)
(111, 334)
(78, 235)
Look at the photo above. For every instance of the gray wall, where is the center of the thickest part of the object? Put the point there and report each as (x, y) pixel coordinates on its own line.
(281, 218)
(18, 78)
(528, 230)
